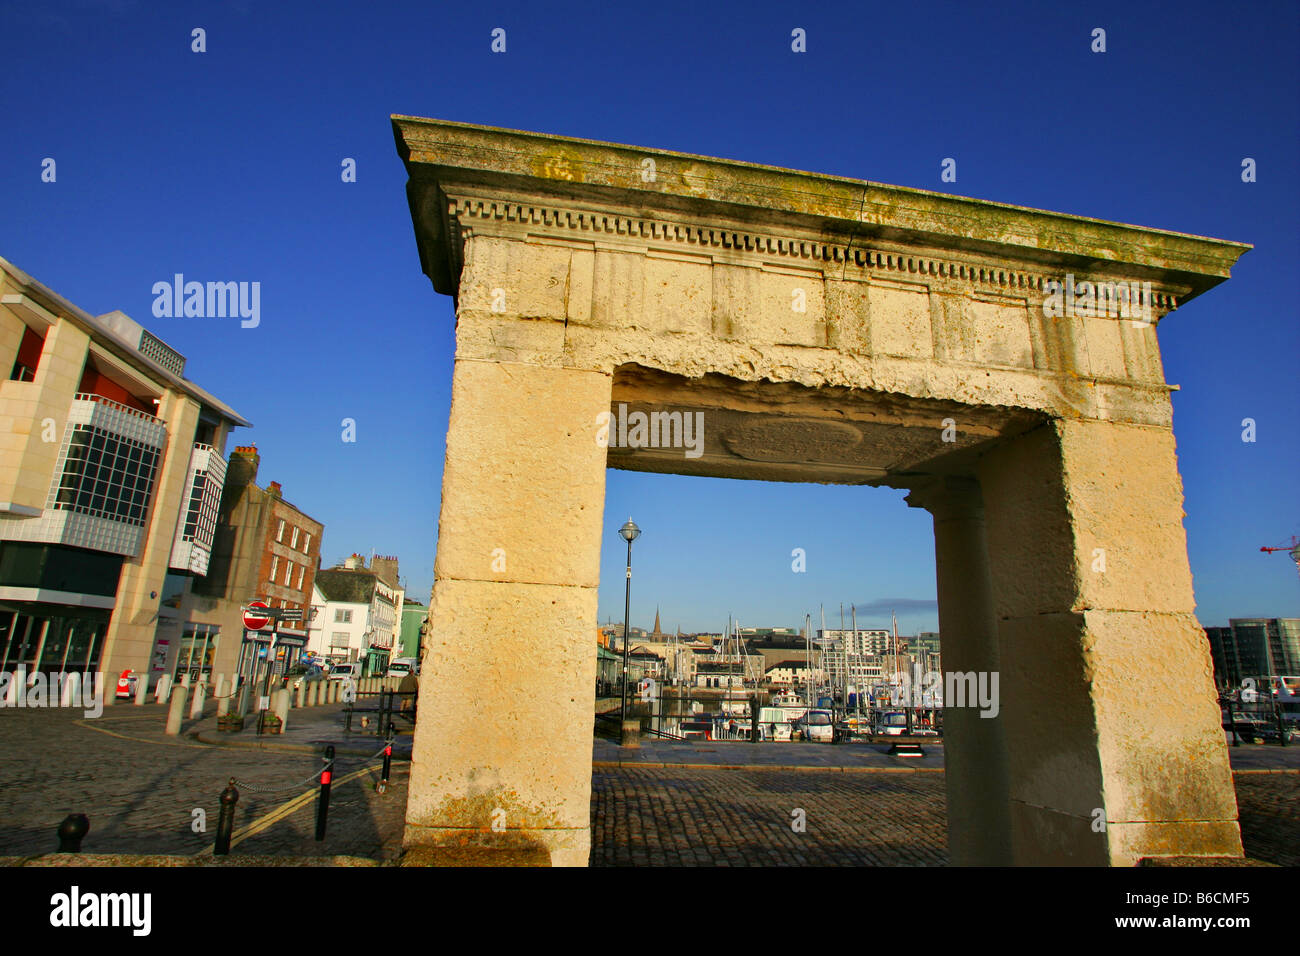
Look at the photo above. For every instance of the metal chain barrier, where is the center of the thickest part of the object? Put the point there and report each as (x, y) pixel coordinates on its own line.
(329, 765)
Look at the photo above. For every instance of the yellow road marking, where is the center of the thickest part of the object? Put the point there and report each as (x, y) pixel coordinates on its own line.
(285, 809)
(136, 740)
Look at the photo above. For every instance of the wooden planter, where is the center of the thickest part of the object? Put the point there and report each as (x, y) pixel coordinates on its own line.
(230, 725)
(272, 725)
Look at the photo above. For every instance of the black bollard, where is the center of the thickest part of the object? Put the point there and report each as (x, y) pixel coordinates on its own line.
(388, 760)
(323, 804)
(226, 821)
(72, 831)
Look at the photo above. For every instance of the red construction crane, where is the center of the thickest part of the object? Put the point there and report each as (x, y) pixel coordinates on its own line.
(1293, 547)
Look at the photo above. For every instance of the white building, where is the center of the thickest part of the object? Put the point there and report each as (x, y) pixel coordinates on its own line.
(863, 642)
(354, 616)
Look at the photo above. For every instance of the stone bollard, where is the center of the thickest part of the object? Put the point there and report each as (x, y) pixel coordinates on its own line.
(141, 689)
(334, 688)
(298, 695)
(185, 680)
(280, 707)
(200, 692)
(631, 733)
(223, 700)
(176, 713)
(164, 689)
(16, 681)
(71, 690)
(312, 697)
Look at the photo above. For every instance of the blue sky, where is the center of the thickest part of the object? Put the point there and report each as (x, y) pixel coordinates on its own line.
(225, 165)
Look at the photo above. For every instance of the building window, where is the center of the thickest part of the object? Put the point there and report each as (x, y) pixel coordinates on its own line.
(279, 531)
(197, 650)
(29, 356)
(301, 571)
(275, 566)
(342, 615)
(339, 639)
(293, 539)
(306, 544)
(288, 572)
(107, 476)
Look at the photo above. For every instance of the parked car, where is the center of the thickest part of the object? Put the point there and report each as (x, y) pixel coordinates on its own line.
(1271, 735)
(306, 675)
(1249, 731)
(401, 666)
(344, 671)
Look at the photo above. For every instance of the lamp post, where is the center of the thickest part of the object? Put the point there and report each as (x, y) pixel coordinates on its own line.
(629, 532)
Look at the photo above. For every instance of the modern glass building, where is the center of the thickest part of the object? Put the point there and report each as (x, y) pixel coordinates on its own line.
(111, 470)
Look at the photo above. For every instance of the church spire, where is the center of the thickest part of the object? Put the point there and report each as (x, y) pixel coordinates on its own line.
(657, 631)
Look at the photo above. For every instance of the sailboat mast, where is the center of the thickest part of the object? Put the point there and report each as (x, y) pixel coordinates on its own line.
(807, 645)
(897, 677)
(854, 612)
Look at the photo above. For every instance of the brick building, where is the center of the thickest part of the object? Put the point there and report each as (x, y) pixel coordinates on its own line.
(265, 548)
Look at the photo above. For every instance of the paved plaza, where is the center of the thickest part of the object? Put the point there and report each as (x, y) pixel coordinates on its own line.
(664, 804)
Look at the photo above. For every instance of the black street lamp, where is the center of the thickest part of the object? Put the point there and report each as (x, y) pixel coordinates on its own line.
(629, 532)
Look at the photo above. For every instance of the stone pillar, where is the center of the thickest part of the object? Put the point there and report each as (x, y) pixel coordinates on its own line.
(975, 751)
(519, 540)
(176, 712)
(141, 689)
(280, 707)
(299, 693)
(200, 691)
(164, 688)
(223, 698)
(1113, 731)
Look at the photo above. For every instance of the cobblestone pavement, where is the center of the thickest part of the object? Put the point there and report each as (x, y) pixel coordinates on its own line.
(139, 788)
(1268, 808)
(677, 816)
(694, 817)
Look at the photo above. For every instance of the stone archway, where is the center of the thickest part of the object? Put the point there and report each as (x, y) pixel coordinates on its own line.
(827, 330)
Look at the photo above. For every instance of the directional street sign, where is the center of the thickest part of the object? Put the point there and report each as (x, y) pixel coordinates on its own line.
(289, 614)
(257, 615)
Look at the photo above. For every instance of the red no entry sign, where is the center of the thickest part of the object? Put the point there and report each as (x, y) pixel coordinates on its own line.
(256, 615)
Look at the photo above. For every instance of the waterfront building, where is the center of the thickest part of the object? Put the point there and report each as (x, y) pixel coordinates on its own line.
(354, 611)
(1254, 647)
(411, 638)
(860, 643)
(265, 549)
(112, 469)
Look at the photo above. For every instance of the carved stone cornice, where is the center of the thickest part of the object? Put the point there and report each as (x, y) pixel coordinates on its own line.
(605, 187)
(468, 214)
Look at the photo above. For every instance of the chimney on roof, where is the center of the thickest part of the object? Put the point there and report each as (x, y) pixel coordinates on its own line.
(242, 469)
(274, 489)
(354, 562)
(385, 566)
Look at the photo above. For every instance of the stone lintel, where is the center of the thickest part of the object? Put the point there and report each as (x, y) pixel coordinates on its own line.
(443, 157)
